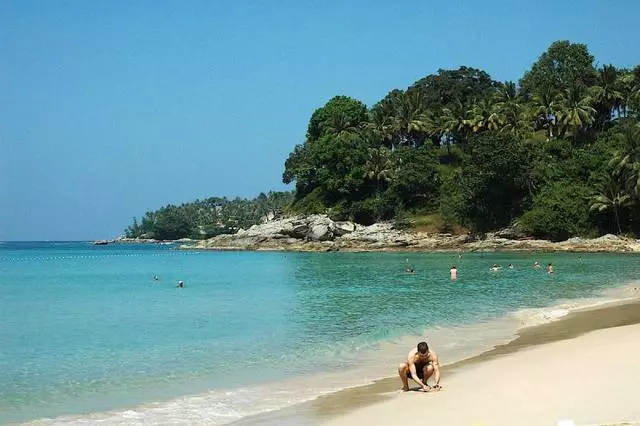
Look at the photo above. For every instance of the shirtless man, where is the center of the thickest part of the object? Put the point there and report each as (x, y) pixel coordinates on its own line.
(421, 364)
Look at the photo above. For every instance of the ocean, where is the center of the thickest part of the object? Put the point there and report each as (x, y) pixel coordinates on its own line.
(87, 335)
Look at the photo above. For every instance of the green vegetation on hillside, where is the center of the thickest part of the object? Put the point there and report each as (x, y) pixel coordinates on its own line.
(558, 152)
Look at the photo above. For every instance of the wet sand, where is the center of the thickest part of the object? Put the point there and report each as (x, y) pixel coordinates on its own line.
(379, 403)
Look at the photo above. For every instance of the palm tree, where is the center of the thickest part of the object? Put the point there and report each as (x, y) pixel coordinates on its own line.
(339, 125)
(512, 110)
(515, 119)
(483, 116)
(410, 118)
(455, 121)
(628, 84)
(606, 96)
(612, 197)
(379, 166)
(574, 110)
(544, 109)
(379, 125)
(626, 162)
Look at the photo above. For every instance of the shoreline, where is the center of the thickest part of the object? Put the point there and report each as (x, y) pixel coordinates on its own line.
(351, 401)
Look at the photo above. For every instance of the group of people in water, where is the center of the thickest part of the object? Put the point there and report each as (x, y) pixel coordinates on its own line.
(179, 285)
(495, 267)
(453, 272)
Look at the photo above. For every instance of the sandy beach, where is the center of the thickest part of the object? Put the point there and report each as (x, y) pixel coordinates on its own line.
(582, 369)
(591, 379)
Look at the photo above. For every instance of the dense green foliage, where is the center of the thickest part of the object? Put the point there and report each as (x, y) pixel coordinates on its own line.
(207, 218)
(558, 153)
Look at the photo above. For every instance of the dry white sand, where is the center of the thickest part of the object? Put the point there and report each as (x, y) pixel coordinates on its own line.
(593, 379)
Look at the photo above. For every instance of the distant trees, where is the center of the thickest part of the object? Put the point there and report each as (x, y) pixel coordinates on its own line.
(209, 217)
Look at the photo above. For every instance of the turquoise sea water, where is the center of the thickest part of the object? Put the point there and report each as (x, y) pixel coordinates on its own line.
(86, 334)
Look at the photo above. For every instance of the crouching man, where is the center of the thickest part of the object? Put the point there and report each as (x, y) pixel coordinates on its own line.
(421, 364)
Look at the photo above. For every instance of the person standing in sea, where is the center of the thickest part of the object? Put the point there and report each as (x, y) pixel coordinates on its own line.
(453, 272)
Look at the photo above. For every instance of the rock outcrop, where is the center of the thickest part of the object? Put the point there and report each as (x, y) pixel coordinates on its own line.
(320, 233)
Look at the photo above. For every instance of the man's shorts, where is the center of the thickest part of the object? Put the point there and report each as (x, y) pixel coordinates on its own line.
(419, 370)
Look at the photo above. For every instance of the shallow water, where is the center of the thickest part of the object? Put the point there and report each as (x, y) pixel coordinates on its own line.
(88, 335)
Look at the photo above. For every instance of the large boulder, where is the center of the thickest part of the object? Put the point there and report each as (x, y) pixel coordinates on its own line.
(343, 228)
(320, 228)
(513, 232)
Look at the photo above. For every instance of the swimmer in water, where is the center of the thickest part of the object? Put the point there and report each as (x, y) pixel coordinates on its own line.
(550, 269)
(453, 272)
(536, 264)
(495, 267)
(180, 284)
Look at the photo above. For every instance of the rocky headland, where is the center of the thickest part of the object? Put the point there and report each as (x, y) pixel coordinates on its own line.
(320, 233)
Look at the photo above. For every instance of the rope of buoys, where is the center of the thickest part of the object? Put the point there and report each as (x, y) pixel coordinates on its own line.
(24, 259)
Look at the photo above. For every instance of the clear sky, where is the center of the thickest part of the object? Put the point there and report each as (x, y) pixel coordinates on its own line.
(112, 108)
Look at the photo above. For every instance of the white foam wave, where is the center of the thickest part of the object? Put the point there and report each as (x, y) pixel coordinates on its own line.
(538, 316)
(212, 408)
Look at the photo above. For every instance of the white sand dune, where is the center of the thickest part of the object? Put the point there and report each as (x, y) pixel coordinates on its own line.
(593, 379)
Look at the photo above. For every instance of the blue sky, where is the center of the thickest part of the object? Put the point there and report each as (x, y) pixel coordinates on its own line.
(112, 108)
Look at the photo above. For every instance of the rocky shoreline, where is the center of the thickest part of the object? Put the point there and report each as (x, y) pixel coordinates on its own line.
(319, 233)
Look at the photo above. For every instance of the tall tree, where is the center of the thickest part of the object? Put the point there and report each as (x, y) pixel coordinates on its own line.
(340, 115)
(575, 112)
(494, 183)
(379, 167)
(544, 110)
(447, 87)
(612, 196)
(484, 116)
(605, 95)
(564, 64)
(627, 85)
(626, 161)
(512, 110)
(411, 121)
(454, 122)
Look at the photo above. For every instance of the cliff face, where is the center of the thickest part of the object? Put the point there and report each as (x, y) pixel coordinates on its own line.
(320, 233)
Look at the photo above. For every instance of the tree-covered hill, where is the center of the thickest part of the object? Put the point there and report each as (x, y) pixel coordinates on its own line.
(558, 153)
